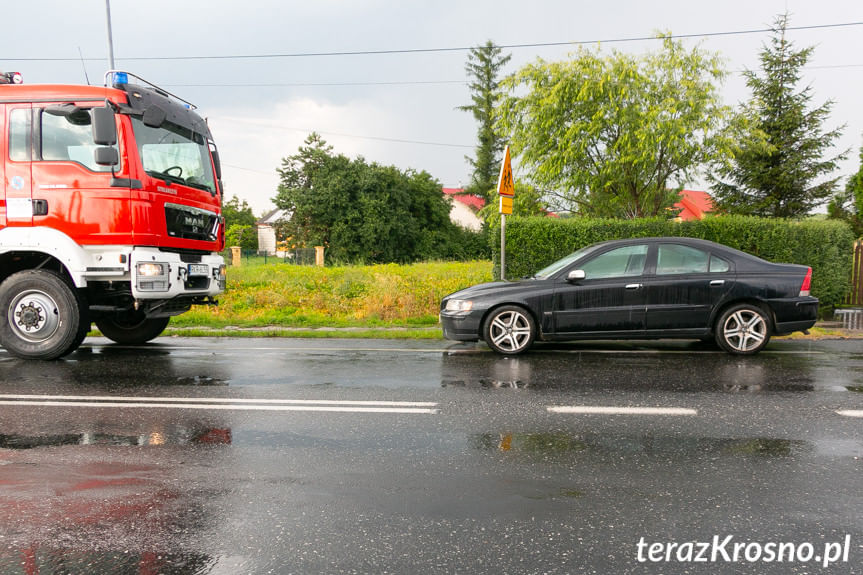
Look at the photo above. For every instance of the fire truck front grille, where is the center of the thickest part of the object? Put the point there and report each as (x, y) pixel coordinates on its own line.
(191, 223)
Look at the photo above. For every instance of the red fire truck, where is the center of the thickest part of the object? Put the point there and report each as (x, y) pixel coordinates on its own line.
(110, 212)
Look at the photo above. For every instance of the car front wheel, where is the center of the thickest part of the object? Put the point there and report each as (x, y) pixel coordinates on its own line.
(509, 330)
(743, 329)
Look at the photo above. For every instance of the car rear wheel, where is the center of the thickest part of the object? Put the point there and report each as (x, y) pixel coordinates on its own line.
(743, 329)
(132, 328)
(509, 330)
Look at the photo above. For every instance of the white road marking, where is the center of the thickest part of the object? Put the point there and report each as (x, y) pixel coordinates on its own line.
(214, 406)
(851, 412)
(221, 403)
(611, 410)
(326, 402)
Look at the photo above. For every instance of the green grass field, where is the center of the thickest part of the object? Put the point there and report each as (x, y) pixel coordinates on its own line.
(280, 295)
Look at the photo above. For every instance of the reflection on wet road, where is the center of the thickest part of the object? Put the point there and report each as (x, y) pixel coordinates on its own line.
(288, 456)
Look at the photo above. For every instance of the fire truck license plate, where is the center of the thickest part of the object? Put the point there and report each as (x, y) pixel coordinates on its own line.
(198, 269)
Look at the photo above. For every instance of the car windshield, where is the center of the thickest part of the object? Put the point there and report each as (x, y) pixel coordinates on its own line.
(560, 264)
(175, 154)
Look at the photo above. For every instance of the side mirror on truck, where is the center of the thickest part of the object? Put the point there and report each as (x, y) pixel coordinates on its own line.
(104, 127)
(105, 136)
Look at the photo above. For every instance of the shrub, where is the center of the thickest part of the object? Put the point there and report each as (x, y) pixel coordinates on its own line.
(826, 246)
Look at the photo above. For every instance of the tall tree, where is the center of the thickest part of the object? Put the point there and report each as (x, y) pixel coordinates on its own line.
(848, 205)
(483, 67)
(780, 170)
(615, 135)
(361, 211)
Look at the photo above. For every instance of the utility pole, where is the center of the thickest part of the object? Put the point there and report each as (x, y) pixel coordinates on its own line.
(110, 36)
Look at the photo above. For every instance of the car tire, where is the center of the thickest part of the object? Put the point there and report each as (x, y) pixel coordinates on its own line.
(132, 328)
(42, 315)
(509, 330)
(743, 329)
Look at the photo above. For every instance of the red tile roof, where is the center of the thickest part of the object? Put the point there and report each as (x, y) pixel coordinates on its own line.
(470, 200)
(694, 205)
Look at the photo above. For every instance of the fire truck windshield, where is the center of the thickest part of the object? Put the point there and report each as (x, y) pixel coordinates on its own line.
(175, 154)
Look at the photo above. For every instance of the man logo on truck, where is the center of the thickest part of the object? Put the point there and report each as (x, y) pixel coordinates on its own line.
(110, 213)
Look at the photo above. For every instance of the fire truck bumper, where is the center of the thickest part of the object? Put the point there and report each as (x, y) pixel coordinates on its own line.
(164, 275)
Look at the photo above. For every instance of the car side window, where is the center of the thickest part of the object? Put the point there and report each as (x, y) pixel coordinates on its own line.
(621, 262)
(718, 265)
(674, 259)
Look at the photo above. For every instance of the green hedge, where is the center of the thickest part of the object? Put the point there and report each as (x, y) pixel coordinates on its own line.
(826, 246)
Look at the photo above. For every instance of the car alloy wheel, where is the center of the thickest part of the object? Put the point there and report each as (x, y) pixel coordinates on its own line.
(510, 330)
(743, 329)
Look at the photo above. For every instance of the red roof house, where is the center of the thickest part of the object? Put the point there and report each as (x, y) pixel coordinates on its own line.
(693, 205)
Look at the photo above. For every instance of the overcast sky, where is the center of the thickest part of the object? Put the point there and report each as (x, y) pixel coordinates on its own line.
(397, 109)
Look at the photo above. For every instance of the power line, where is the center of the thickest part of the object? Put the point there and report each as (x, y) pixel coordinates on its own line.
(418, 82)
(341, 135)
(446, 49)
(319, 84)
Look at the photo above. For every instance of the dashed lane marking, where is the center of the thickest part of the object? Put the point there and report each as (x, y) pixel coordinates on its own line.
(612, 410)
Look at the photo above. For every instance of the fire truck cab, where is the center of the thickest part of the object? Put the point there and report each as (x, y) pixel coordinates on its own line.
(110, 212)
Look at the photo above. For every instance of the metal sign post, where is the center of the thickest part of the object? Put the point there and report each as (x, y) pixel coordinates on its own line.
(506, 191)
(503, 246)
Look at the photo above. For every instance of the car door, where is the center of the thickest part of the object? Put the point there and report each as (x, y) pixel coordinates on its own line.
(687, 284)
(610, 298)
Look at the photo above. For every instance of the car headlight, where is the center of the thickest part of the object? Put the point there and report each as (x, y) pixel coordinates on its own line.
(459, 305)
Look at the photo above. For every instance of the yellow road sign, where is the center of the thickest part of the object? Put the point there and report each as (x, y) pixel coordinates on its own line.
(506, 205)
(505, 184)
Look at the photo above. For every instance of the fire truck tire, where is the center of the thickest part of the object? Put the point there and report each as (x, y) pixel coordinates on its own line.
(132, 329)
(42, 315)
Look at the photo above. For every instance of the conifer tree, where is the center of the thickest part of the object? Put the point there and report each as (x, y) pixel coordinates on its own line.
(484, 66)
(784, 168)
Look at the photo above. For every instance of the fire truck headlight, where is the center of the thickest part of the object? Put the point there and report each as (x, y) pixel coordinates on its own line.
(152, 277)
(148, 269)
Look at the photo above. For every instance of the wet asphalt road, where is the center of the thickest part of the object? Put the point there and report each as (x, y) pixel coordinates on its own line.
(335, 456)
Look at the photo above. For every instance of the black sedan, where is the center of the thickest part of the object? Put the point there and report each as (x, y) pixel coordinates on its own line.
(643, 288)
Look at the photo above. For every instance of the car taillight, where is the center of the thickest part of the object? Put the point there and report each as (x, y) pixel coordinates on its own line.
(804, 289)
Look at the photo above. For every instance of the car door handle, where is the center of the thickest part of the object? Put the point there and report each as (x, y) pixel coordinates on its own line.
(633, 286)
(716, 283)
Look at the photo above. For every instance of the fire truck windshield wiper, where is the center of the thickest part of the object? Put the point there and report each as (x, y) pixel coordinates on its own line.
(165, 177)
(193, 184)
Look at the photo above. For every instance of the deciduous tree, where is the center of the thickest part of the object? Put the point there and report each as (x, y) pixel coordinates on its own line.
(848, 205)
(617, 135)
(362, 212)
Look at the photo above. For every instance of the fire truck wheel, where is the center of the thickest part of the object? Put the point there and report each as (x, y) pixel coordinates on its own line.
(132, 329)
(42, 315)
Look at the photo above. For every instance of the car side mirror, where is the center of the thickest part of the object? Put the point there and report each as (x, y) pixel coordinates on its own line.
(575, 276)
